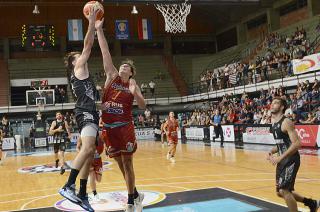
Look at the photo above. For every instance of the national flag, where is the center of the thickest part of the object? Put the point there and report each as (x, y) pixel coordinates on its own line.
(75, 32)
(144, 29)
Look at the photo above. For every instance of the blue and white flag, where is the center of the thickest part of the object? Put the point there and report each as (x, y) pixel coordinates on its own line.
(75, 32)
(144, 29)
(122, 29)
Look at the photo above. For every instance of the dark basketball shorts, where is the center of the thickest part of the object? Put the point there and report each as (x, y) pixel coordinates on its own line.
(286, 175)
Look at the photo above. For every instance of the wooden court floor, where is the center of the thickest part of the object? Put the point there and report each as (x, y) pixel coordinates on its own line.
(197, 167)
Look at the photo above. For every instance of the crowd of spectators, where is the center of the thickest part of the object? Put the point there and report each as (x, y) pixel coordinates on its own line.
(275, 63)
(255, 108)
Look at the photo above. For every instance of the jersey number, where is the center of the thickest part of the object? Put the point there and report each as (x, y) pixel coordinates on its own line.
(116, 95)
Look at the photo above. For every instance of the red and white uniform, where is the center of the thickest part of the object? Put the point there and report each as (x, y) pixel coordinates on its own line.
(172, 126)
(118, 132)
(97, 161)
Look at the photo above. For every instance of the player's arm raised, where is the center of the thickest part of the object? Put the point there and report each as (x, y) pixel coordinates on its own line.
(87, 46)
(110, 70)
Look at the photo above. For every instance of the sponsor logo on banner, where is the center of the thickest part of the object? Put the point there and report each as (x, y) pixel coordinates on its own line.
(144, 133)
(51, 168)
(258, 135)
(122, 29)
(111, 201)
(8, 143)
(228, 132)
(40, 142)
(307, 64)
(194, 133)
(307, 134)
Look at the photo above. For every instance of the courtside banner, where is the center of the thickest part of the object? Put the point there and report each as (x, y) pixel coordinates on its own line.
(8, 143)
(307, 64)
(144, 133)
(228, 132)
(40, 142)
(308, 134)
(318, 137)
(195, 133)
(258, 135)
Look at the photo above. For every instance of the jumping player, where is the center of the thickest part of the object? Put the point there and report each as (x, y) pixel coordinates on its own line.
(96, 169)
(120, 91)
(288, 158)
(172, 127)
(86, 116)
(58, 129)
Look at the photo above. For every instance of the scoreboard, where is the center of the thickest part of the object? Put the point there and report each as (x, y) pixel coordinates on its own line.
(39, 37)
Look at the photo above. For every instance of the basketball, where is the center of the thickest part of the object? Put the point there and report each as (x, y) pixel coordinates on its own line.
(97, 6)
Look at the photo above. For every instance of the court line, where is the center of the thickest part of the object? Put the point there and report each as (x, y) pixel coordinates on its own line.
(259, 198)
(42, 197)
(164, 178)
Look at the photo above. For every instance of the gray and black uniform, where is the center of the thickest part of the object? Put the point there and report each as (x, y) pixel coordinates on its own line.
(288, 168)
(59, 138)
(85, 109)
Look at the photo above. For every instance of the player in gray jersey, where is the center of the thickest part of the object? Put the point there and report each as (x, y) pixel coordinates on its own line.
(288, 158)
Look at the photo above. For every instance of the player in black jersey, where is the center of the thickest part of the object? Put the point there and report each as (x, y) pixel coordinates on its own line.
(86, 114)
(1, 137)
(59, 128)
(288, 158)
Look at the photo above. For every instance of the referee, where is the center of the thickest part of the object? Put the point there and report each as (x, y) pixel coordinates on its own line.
(216, 122)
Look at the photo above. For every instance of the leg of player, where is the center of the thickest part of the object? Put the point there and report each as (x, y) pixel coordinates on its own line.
(1, 161)
(83, 175)
(173, 152)
(134, 198)
(82, 159)
(169, 150)
(61, 152)
(56, 155)
(290, 200)
(311, 203)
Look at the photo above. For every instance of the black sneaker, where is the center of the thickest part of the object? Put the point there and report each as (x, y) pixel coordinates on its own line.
(85, 203)
(69, 192)
(57, 163)
(62, 170)
(314, 206)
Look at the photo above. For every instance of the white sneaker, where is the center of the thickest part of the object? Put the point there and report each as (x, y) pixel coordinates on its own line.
(129, 208)
(96, 198)
(138, 202)
(172, 160)
(168, 156)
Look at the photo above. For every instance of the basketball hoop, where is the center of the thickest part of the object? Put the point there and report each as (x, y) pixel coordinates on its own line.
(175, 16)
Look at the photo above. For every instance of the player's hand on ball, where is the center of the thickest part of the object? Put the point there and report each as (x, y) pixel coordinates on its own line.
(99, 24)
(92, 15)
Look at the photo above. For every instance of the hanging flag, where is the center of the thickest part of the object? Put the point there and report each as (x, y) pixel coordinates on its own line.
(122, 29)
(75, 31)
(144, 29)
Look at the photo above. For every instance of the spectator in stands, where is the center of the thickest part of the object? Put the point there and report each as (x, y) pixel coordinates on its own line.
(152, 86)
(318, 115)
(141, 120)
(57, 94)
(62, 95)
(311, 119)
(144, 87)
(5, 126)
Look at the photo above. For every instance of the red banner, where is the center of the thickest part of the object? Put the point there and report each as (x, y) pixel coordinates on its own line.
(307, 134)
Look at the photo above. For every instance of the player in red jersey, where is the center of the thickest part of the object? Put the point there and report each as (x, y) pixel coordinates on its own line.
(119, 92)
(172, 127)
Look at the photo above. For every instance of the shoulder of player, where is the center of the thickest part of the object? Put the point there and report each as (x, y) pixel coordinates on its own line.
(287, 124)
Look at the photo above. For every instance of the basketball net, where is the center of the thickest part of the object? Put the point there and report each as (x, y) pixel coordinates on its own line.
(175, 16)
